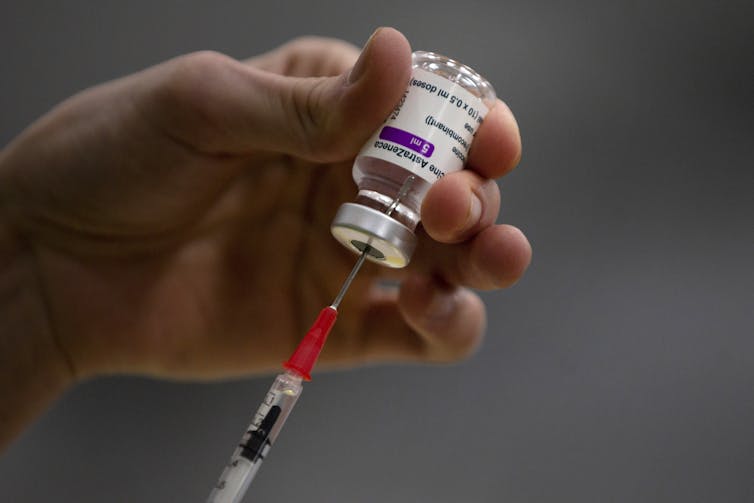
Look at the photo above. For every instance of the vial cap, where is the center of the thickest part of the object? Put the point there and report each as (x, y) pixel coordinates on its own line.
(357, 227)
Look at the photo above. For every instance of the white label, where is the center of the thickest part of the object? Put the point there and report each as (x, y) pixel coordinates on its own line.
(431, 129)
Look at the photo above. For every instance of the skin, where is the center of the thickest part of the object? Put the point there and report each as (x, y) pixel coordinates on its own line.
(175, 223)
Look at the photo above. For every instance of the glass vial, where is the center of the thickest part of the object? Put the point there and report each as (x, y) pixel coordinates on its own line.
(427, 135)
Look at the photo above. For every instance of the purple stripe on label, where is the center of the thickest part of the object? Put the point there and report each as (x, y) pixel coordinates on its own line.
(408, 140)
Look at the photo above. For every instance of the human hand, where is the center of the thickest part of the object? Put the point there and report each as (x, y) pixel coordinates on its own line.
(177, 220)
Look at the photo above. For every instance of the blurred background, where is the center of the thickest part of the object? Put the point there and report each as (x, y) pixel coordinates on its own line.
(620, 369)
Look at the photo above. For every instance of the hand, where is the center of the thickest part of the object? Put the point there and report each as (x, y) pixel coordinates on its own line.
(177, 220)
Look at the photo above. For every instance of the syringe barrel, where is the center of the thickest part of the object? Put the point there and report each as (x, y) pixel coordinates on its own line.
(258, 439)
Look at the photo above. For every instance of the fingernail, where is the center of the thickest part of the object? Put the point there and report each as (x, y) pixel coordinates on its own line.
(358, 69)
(442, 305)
(475, 211)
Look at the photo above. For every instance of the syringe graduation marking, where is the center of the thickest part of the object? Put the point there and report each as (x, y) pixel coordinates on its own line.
(253, 448)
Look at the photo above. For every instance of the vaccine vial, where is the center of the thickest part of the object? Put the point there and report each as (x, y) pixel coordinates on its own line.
(427, 135)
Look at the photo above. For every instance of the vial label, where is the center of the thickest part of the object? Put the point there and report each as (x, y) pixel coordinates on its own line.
(431, 129)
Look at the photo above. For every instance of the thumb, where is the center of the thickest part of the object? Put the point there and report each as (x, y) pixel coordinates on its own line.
(222, 106)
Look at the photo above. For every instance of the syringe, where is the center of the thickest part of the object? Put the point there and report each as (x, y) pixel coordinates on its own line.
(285, 390)
(278, 403)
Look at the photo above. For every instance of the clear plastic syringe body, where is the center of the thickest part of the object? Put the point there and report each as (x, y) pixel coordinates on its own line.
(258, 439)
(427, 135)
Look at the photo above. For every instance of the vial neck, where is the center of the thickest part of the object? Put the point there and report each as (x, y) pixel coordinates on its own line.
(380, 201)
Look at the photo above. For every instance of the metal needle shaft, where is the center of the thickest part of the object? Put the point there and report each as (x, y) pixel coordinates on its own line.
(401, 194)
(351, 276)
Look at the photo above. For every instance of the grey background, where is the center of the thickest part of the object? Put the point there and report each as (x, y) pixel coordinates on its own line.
(621, 369)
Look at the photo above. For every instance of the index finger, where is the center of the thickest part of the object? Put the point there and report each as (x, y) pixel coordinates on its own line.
(497, 146)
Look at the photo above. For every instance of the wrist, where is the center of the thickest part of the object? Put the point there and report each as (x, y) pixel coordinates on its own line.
(33, 368)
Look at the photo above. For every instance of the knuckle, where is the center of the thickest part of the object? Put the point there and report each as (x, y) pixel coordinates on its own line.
(205, 60)
(187, 94)
(189, 82)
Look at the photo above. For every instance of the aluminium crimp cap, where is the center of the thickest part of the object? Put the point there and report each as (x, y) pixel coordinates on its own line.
(357, 227)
